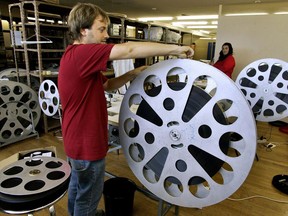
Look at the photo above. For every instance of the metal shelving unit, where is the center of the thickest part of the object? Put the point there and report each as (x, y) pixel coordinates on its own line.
(43, 39)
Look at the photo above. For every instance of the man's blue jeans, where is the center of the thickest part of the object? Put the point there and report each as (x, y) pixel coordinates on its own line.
(85, 187)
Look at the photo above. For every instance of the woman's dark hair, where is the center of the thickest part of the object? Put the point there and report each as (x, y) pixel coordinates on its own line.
(221, 55)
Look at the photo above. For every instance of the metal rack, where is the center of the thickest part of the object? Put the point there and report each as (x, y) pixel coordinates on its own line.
(34, 47)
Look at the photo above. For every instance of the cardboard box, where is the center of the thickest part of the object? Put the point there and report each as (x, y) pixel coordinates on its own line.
(47, 151)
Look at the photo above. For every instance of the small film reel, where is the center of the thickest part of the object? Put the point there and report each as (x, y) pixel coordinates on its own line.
(48, 97)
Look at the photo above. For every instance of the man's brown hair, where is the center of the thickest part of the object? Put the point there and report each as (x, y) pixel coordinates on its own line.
(82, 16)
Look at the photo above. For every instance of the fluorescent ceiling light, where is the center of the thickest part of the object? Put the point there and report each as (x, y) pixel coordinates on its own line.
(130, 27)
(203, 27)
(146, 19)
(246, 14)
(280, 13)
(205, 32)
(197, 17)
(178, 25)
(206, 38)
(50, 21)
(190, 23)
(33, 18)
(214, 22)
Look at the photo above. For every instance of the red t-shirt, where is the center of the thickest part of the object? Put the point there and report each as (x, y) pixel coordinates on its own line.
(84, 109)
(227, 65)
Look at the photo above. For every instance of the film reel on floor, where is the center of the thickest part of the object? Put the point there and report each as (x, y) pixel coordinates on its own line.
(32, 183)
(19, 111)
(264, 83)
(178, 137)
(48, 97)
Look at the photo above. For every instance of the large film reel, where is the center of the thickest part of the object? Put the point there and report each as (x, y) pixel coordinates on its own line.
(31, 184)
(264, 84)
(48, 97)
(11, 74)
(19, 111)
(191, 146)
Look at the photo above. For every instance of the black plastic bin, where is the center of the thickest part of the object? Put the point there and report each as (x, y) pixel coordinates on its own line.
(119, 196)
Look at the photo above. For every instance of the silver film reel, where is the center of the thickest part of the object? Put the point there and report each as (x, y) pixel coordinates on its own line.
(10, 72)
(19, 111)
(264, 83)
(187, 132)
(32, 183)
(48, 97)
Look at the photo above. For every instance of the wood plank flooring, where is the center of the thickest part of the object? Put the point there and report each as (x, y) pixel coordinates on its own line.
(258, 182)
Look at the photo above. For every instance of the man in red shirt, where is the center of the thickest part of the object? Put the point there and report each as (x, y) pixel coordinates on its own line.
(81, 87)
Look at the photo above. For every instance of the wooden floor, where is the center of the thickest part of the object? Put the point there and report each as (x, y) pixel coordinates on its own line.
(258, 182)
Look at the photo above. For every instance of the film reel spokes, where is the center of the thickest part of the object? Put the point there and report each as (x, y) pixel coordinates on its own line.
(187, 132)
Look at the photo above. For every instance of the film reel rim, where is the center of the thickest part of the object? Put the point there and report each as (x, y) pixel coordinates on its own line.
(184, 198)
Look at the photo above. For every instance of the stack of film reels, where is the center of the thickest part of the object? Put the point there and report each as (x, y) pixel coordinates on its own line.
(33, 183)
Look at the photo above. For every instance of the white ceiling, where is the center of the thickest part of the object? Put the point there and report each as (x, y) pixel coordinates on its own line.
(155, 8)
(174, 8)
(141, 8)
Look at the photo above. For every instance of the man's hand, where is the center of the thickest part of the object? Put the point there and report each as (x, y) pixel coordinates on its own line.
(186, 52)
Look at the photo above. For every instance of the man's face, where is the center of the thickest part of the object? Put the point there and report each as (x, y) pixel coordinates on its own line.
(98, 32)
(225, 49)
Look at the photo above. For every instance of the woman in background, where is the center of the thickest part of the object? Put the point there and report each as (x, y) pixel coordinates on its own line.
(226, 61)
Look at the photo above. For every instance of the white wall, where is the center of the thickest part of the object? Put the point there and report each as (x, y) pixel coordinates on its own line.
(253, 38)
(201, 49)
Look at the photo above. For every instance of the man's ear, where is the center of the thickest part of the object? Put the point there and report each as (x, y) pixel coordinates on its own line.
(83, 32)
